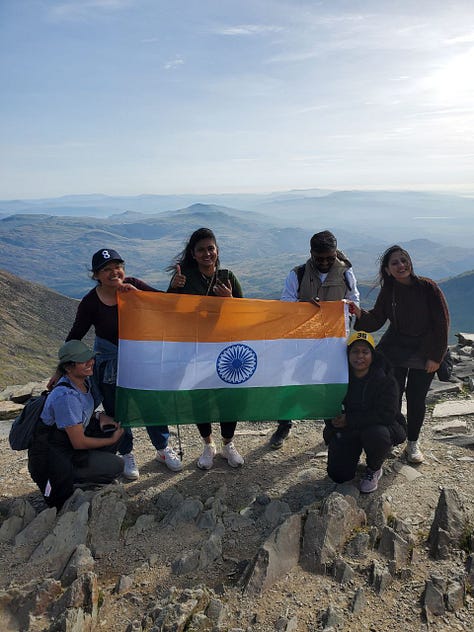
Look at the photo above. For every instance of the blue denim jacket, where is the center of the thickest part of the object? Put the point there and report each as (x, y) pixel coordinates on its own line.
(105, 367)
(106, 354)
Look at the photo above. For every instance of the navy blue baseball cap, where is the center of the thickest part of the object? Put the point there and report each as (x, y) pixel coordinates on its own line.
(103, 257)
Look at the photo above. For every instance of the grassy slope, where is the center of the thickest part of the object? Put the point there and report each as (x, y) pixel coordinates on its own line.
(33, 323)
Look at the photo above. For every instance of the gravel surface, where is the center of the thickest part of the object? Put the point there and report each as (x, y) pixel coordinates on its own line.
(296, 475)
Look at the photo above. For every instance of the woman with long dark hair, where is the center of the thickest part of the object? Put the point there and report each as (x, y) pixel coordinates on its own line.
(65, 452)
(417, 338)
(197, 271)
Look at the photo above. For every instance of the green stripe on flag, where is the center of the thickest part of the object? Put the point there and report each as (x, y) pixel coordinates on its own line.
(314, 401)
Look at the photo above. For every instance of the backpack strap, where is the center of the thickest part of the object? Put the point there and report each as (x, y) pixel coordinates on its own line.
(300, 274)
(348, 285)
(342, 257)
(62, 384)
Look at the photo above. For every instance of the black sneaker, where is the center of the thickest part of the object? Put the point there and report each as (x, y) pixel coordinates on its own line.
(279, 436)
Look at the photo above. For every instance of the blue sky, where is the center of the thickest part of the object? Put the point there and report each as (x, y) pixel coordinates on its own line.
(158, 96)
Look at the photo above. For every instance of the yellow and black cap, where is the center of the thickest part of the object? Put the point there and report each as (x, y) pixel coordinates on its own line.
(361, 335)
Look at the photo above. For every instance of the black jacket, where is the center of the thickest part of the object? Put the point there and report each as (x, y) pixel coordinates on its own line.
(372, 400)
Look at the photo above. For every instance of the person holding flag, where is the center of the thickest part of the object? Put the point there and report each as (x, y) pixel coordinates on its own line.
(99, 309)
(197, 271)
(326, 276)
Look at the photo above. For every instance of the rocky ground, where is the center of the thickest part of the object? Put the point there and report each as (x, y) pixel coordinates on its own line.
(262, 548)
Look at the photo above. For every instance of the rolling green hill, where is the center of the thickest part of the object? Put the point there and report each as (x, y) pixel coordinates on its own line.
(33, 324)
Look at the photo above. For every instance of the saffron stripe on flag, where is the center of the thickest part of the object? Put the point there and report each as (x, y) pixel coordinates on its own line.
(186, 318)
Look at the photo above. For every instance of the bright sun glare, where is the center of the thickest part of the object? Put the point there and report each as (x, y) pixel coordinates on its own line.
(453, 83)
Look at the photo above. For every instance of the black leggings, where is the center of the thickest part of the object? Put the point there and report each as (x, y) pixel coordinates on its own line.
(227, 429)
(416, 384)
(345, 448)
(52, 458)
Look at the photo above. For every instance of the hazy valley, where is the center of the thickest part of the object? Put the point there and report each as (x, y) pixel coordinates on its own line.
(45, 243)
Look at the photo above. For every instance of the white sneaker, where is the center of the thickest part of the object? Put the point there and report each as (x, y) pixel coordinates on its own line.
(229, 452)
(169, 457)
(206, 460)
(413, 452)
(130, 469)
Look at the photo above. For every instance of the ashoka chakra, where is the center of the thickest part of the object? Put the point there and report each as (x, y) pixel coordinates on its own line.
(236, 364)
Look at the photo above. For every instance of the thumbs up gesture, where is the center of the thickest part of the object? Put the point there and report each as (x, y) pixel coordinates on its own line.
(178, 279)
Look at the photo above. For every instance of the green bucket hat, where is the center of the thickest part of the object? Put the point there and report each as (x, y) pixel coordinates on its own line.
(75, 351)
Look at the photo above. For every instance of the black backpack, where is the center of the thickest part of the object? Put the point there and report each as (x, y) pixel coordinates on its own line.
(23, 428)
(445, 370)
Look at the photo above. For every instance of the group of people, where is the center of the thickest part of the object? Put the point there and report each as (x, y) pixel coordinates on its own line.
(76, 445)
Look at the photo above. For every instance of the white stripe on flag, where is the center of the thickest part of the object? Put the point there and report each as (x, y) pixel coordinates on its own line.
(170, 366)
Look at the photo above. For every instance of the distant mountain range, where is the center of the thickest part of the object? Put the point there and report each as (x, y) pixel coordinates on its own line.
(34, 321)
(56, 250)
(389, 216)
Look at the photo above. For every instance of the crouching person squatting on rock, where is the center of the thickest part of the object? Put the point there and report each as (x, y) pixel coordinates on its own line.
(370, 420)
(72, 444)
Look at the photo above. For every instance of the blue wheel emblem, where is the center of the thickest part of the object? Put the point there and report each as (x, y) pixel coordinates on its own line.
(236, 364)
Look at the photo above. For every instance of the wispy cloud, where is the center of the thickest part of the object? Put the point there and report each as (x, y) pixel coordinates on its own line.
(467, 38)
(247, 29)
(173, 63)
(442, 112)
(82, 9)
(312, 108)
(311, 35)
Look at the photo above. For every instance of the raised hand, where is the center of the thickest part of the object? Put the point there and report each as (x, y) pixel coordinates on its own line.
(178, 279)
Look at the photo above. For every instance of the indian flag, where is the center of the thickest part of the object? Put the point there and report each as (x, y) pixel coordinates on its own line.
(190, 359)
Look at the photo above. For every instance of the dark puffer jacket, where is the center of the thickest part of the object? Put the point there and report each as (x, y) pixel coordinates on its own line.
(372, 400)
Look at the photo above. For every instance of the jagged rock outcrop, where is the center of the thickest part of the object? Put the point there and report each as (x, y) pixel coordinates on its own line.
(327, 529)
(278, 555)
(448, 525)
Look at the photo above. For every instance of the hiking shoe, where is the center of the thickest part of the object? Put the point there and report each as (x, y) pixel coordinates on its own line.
(370, 480)
(229, 452)
(169, 457)
(279, 436)
(413, 452)
(206, 460)
(130, 469)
